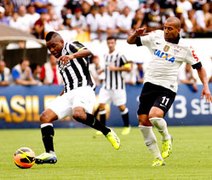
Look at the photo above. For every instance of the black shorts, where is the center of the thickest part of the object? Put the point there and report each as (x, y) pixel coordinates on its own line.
(154, 95)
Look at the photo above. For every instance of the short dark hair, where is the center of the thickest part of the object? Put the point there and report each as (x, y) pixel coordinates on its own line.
(111, 37)
(50, 35)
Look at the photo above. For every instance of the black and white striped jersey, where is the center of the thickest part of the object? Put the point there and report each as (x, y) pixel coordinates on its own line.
(113, 79)
(76, 72)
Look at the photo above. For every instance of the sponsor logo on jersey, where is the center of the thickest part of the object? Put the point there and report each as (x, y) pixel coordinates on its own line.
(164, 55)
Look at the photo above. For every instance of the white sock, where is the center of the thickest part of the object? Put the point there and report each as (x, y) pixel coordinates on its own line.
(150, 141)
(161, 125)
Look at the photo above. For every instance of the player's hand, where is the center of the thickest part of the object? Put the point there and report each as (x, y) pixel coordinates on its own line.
(140, 32)
(65, 59)
(206, 94)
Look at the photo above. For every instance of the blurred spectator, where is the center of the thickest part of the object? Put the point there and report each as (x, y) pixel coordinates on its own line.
(124, 23)
(203, 19)
(32, 15)
(112, 18)
(168, 6)
(57, 6)
(50, 72)
(137, 20)
(102, 22)
(5, 76)
(132, 4)
(78, 21)
(17, 3)
(3, 19)
(153, 18)
(39, 29)
(86, 6)
(36, 71)
(55, 23)
(92, 20)
(186, 6)
(186, 77)
(22, 74)
(21, 20)
(40, 5)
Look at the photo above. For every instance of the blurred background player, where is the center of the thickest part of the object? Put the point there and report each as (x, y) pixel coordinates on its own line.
(113, 88)
(161, 82)
(76, 100)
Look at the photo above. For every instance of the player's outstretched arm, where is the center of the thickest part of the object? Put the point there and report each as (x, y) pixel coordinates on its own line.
(138, 32)
(79, 54)
(205, 91)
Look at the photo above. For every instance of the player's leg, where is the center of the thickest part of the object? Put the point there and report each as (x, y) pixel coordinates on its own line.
(80, 115)
(125, 117)
(47, 132)
(104, 98)
(57, 109)
(119, 99)
(146, 101)
(150, 139)
(102, 113)
(83, 104)
(156, 114)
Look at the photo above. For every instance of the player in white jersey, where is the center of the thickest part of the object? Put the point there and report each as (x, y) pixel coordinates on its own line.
(77, 99)
(160, 82)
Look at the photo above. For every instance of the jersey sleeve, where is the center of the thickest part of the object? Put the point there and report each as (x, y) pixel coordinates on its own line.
(192, 58)
(75, 46)
(148, 40)
(123, 60)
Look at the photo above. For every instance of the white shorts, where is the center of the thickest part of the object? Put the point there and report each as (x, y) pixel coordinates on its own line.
(118, 96)
(82, 96)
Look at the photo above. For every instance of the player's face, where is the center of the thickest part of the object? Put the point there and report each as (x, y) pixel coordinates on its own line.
(55, 46)
(111, 43)
(171, 33)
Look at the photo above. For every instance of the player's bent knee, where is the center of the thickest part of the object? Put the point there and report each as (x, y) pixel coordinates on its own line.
(48, 117)
(79, 115)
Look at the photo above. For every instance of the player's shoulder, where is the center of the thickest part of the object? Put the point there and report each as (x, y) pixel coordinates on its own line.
(157, 34)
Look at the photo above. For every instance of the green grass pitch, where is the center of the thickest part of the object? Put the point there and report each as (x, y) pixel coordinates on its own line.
(83, 156)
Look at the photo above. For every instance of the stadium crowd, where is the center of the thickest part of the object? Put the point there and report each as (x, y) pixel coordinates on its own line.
(89, 20)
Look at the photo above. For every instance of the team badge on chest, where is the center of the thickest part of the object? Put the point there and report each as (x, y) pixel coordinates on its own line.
(166, 48)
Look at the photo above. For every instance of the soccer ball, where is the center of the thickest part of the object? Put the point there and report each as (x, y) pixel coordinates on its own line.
(24, 158)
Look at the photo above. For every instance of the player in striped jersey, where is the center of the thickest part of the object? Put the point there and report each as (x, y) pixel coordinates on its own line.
(113, 88)
(169, 51)
(76, 100)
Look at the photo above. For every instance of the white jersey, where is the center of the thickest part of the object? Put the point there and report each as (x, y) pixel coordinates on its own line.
(166, 59)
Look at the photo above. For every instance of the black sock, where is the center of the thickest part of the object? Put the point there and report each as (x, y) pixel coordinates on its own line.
(47, 137)
(125, 118)
(94, 123)
(102, 115)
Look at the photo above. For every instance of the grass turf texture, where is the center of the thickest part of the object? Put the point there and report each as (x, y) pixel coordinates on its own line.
(83, 156)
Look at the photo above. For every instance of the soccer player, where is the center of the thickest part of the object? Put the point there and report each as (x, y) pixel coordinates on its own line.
(160, 82)
(77, 98)
(113, 88)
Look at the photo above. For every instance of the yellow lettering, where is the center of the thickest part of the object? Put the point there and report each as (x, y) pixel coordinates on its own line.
(17, 103)
(28, 108)
(35, 108)
(4, 109)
